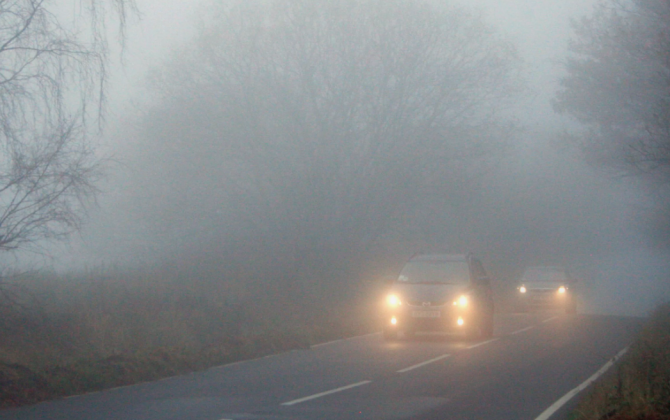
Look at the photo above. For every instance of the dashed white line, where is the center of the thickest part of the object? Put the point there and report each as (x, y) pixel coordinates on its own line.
(482, 343)
(418, 365)
(546, 414)
(521, 330)
(550, 319)
(323, 394)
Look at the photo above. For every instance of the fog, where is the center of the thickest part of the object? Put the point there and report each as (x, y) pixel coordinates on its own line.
(183, 190)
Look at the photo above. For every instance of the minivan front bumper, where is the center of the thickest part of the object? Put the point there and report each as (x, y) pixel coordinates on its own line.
(446, 318)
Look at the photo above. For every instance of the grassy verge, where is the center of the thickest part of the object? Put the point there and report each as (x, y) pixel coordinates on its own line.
(639, 388)
(20, 385)
(68, 336)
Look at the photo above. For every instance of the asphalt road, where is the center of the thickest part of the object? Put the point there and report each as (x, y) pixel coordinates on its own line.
(532, 361)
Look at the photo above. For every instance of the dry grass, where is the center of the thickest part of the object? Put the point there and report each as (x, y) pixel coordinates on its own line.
(65, 335)
(640, 387)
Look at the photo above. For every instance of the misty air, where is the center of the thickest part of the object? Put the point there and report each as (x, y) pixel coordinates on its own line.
(334, 209)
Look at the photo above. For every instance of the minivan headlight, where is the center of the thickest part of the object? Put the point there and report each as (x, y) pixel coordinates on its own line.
(522, 289)
(561, 289)
(393, 300)
(462, 301)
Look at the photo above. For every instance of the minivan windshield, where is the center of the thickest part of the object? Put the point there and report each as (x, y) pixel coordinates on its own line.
(544, 275)
(435, 272)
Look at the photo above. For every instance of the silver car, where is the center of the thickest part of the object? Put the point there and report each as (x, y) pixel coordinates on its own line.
(546, 287)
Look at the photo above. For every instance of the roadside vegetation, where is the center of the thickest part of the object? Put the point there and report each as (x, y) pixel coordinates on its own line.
(66, 336)
(639, 388)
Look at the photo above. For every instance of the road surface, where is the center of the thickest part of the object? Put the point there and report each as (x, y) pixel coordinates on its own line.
(532, 362)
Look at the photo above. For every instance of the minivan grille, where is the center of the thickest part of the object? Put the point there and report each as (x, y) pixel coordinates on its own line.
(542, 295)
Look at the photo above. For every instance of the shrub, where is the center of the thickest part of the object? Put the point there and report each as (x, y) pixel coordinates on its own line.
(640, 387)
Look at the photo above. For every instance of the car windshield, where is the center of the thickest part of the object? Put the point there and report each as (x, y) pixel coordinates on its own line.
(544, 275)
(435, 272)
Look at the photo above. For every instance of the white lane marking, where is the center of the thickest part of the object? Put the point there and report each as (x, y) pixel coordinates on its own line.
(418, 365)
(565, 398)
(482, 343)
(550, 319)
(521, 330)
(342, 339)
(322, 394)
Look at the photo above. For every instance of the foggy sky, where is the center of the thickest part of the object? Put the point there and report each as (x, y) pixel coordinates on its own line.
(540, 30)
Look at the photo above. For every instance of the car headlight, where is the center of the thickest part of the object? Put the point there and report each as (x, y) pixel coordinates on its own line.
(522, 289)
(561, 289)
(461, 301)
(393, 300)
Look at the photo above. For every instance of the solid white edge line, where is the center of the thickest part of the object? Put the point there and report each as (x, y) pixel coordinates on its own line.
(342, 339)
(521, 330)
(418, 365)
(567, 397)
(322, 394)
(482, 343)
(550, 319)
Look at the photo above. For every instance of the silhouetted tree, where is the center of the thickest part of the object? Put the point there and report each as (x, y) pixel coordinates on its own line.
(618, 85)
(325, 123)
(52, 99)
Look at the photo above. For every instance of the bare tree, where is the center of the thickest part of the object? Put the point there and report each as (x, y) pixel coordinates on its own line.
(618, 85)
(325, 123)
(52, 98)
